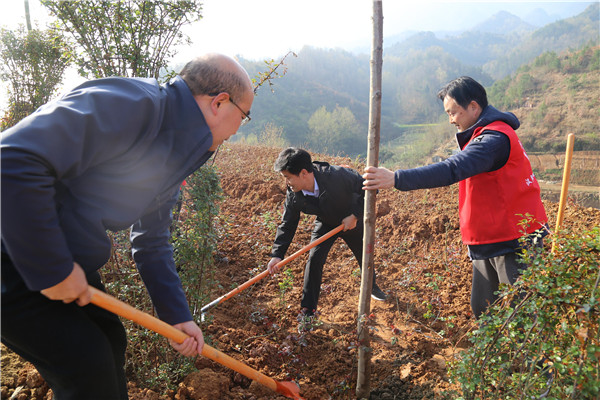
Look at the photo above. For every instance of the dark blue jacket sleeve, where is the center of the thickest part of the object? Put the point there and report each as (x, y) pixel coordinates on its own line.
(487, 152)
(153, 255)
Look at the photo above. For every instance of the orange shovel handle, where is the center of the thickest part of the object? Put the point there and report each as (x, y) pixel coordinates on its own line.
(126, 311)
(266, 272)
(118, 307)
(311, 245)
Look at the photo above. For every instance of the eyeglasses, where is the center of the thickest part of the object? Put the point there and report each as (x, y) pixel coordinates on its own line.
(246, 116)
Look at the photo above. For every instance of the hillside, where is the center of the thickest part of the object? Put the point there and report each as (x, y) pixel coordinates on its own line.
(503, 22)
(420, 262)
(553, 96)
(569, 33)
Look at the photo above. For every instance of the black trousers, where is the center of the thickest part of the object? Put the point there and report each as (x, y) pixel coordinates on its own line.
(313, 272)
(79, 351)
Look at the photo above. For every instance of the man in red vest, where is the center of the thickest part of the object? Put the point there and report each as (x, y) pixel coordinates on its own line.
(497, 188)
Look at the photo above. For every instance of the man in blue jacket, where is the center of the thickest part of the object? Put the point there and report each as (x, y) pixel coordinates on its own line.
(334, 195)
(109, 155)
(497, 188)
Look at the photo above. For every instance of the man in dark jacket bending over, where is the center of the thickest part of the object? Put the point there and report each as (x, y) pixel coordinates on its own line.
(334, 194)
(497, 188)
(109, 155)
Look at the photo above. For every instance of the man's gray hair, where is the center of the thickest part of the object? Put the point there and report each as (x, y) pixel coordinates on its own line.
(209, 76)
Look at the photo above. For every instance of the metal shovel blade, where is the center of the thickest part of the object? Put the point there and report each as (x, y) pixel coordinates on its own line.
(289, 389)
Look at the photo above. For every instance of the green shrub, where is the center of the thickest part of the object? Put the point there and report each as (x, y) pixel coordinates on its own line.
(150, 360)
(195, 236)
(32, 66)
(545, 326)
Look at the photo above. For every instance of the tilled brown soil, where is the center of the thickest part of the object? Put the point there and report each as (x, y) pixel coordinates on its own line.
(420, 261)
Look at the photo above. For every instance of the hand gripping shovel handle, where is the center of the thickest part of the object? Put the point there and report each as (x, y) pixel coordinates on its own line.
(103, 300)
(266, 272)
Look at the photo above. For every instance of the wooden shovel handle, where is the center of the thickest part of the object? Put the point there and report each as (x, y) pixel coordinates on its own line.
(311, 245)
(124, 310)
(565, 186)
(263, 274)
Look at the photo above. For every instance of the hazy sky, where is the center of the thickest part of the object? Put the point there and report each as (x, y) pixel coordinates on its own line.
(259, 29)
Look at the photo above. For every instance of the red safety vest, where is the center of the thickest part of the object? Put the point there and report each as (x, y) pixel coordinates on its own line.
(492, 205)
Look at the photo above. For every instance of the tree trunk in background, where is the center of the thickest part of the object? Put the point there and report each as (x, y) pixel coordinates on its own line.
(363, 384)
(27, 16)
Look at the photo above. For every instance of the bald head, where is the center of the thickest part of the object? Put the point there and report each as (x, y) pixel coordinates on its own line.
(214, 73)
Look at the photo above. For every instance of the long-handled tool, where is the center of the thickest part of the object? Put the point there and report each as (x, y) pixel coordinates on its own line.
(101, 299)
(266, 272)
(565, 185)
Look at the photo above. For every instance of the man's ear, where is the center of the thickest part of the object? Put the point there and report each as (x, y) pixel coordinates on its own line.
(211, 104)
(218, 101)
(474, 105)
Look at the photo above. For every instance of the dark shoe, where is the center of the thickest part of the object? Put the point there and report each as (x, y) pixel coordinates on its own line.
(377, 294)
(307, 321)
(546, 371)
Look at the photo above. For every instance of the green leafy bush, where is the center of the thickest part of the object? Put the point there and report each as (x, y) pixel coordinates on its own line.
(124, 38)
(195, 236)
(150, 360)
(32, 65)
(541, 339)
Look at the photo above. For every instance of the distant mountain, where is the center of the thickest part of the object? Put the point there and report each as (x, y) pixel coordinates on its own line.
(423, 40)
(414, 69)
(485, 42)
(558, 36)
(503, 23)
(473, 48)
(539, 17)
(504, 42)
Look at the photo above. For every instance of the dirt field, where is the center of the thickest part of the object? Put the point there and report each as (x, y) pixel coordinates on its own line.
(420, 261)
